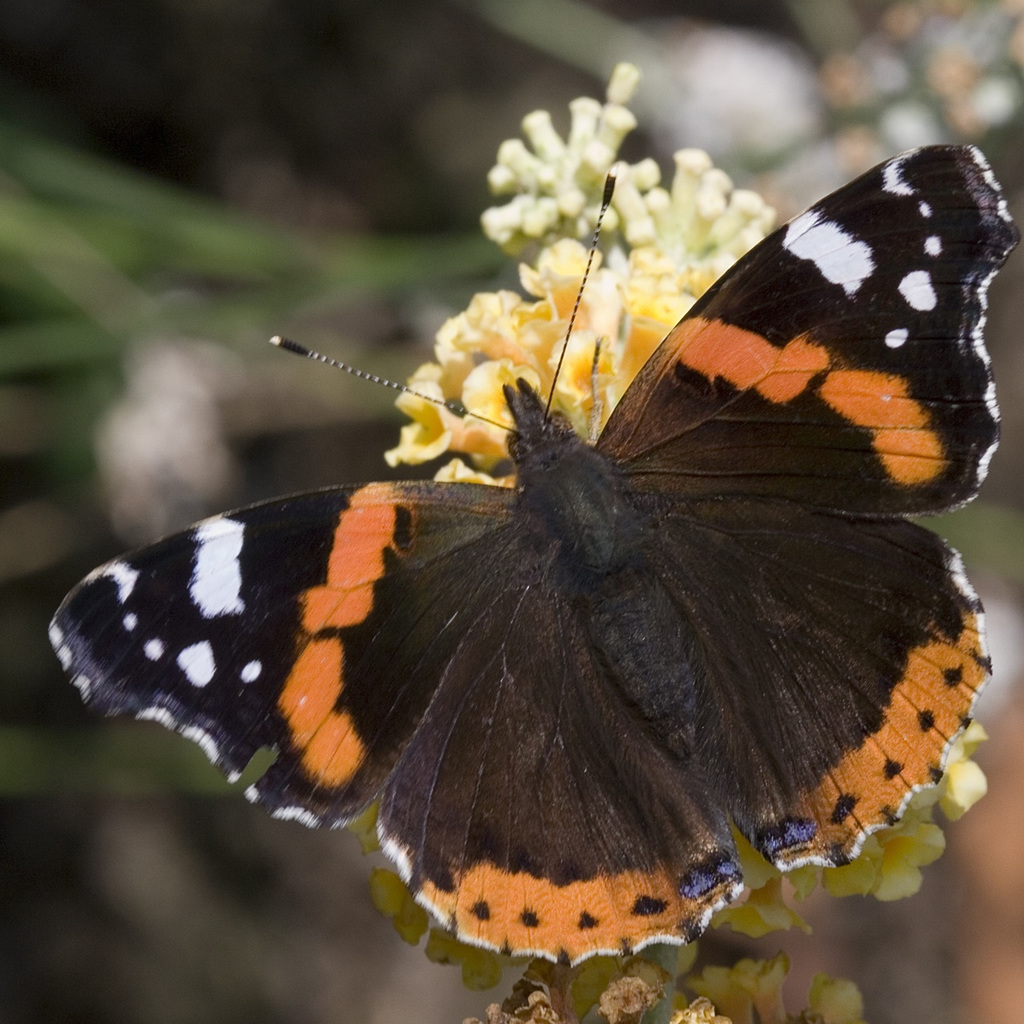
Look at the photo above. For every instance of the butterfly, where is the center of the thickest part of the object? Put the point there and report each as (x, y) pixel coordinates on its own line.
(565, 694)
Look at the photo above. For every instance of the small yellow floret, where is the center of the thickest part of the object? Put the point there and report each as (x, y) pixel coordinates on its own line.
(481, 968)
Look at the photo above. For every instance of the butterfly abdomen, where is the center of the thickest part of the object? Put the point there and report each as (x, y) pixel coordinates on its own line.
(593, 531)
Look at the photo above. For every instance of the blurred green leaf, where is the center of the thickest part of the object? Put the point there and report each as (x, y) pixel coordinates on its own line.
(988, 536)
(95, 256)
(56, 344)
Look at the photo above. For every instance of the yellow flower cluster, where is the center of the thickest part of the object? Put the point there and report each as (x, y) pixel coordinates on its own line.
(481, 969)
(667, 247)
(750, 992)
(557, 186)
(392, 899)
(700, 1011)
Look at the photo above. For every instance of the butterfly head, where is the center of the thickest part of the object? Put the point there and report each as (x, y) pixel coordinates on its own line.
(536, 430)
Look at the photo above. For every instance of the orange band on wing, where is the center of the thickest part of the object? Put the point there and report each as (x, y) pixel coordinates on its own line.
(929, 706)
(747, 360)
(365, 530)
(798, 361)
(520, 913)
(717, 349)
(909, 450)
(326, 738)
(331, 747)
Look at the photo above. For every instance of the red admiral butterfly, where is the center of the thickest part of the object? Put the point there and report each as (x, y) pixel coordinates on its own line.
(562, 694)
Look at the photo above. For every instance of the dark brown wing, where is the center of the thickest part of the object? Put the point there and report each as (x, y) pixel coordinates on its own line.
(836, 661)
(537, 812)
(840, 362)
(287, 625)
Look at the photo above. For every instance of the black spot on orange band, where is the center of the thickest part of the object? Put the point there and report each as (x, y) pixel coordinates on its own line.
(403, 528)
(843, 808)
(646, 906)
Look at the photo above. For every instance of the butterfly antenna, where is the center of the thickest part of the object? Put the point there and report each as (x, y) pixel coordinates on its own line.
(606, 201)
(453, 405)
(597, 408)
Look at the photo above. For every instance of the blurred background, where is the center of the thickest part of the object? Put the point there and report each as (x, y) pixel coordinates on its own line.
(178, 182)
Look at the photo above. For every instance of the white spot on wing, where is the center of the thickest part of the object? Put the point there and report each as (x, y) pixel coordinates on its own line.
(990, 179)
(933, 245)
(251, 671)
(925, 209)
(990, 394)
(216, 582)
(156, 714)
(977, 335)
(153, 649)
(917, 289)
(196, 661)
(839, 257)
(299, 814)
(396, 853)
(204, 739)
(60, 648)
(984, 460)
(895, 338)
(893, 180)
(121, 573)
(955, 568)
(130, 621)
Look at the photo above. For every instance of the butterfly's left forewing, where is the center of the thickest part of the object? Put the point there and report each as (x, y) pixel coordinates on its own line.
(316, 625)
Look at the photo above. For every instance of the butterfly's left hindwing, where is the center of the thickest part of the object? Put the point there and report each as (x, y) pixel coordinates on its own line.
(407, 643)
(314, 625)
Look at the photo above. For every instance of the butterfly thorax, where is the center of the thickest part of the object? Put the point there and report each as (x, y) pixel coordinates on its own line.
(575, 499)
